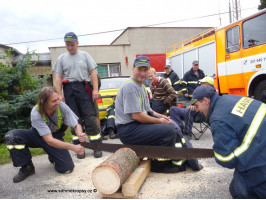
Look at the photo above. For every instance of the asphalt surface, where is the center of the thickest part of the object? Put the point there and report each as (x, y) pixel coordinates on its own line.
(210, 183)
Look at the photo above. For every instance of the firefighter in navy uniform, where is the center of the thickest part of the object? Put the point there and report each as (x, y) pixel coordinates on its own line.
(238, 127)
(191, 79)
(171, 76)
(77, 71)
(49, 119)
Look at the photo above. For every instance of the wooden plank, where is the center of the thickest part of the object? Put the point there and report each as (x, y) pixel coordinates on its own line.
(117, 195)
(134, 182)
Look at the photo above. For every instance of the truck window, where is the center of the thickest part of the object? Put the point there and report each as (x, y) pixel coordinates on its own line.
(232, 40)
(254, 31)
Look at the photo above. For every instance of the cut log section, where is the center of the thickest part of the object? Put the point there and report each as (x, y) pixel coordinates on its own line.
(113, 172)
(131, 186)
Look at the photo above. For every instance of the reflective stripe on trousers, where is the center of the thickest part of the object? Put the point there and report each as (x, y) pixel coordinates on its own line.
(95, 137)
(18, 146)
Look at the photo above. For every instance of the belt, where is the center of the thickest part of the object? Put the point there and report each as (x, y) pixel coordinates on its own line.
(74, 82)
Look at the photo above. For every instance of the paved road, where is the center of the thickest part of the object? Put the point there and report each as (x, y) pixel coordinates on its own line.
(210, 183)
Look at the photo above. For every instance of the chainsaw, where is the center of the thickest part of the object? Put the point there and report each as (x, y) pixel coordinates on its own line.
(143, 151)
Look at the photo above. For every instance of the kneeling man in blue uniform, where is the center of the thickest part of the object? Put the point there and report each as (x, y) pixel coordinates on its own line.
(49, 120)
(238, 127)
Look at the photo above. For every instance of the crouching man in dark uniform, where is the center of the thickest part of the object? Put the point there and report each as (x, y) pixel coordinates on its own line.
(49, 119)
(238, 128)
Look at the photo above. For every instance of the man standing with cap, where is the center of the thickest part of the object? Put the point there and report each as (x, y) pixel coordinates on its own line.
(138, 124)
(76, 73)
(191, 79)
(238, 128)
(171, 76)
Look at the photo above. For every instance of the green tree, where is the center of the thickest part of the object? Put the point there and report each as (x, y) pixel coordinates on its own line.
(262, 4)
(18, 93)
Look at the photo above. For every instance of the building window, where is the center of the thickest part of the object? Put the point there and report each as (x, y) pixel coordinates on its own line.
(254, 31)
(109, 70)
(232, 40)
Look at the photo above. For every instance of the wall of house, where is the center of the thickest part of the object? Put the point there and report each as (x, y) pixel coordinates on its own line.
(102, 54)
(4, 61)
(134, 41)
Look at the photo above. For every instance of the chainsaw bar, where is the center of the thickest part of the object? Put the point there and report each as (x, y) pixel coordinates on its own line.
(154, 151)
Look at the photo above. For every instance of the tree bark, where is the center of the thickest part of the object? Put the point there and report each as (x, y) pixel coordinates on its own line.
(113, 172)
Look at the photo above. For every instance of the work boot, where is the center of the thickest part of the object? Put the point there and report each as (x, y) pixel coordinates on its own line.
(111, 133)
(81, 156)
(168, 168)
(187, 135)
(103, 137)
(97, 154)
(172, 169)
(50, 159)
(24, 172)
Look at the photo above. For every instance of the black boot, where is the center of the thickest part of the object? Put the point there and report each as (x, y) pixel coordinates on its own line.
(50, 159)
(98, 153)
(194, 164)
(81, 156)
(187, 135)
(103, 137)
(111, 133)
(24, 172)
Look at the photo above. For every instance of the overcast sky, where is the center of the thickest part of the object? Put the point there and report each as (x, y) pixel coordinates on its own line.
(30, 20)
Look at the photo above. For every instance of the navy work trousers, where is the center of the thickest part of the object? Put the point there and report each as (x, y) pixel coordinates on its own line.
(81, 103)
(159, 106)
(250, 184)
(111, 118)
(178, 114)
(31, 138)
(137, 133)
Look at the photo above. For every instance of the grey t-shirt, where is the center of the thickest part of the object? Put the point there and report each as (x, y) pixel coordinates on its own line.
(68, 117)
(128, 101)
(75, 67)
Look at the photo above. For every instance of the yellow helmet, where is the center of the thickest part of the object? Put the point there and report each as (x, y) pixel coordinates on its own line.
(207, 79)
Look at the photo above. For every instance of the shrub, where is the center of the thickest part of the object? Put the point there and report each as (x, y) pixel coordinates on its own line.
(18, 94)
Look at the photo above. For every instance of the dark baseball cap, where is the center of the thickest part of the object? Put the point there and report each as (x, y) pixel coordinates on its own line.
(195, 62)
(142, 61)
(71, 37)
(201, 92)
(167, 66)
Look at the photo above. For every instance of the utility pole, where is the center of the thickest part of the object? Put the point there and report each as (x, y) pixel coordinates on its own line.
(230, 15)
(219, 14)
(236, 10)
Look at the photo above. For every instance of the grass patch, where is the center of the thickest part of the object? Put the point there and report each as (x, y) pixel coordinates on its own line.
(6, 158)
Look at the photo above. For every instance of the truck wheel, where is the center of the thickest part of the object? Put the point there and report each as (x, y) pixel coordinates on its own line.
(261, 88)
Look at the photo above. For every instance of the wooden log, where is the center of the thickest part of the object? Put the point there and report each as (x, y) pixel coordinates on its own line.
(130, 187)
(113, 172)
